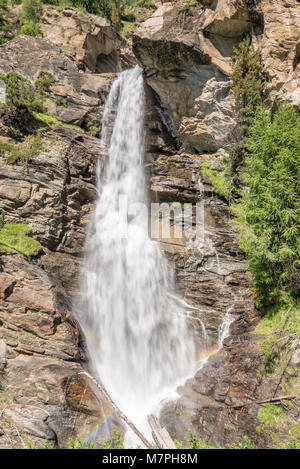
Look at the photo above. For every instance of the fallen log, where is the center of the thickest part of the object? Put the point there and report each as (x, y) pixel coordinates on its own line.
(117, 410)
(160, 435)
(271, 399)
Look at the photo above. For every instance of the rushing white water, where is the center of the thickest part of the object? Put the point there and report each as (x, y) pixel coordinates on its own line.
(134, 325)
(224, 327)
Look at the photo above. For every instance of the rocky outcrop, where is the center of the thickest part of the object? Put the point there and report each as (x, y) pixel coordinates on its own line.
(74, 96)
(54, 194)
(185, 51)
(279, 45)
(211, 277)
(44, 396)
(194, 89)
(89, 39)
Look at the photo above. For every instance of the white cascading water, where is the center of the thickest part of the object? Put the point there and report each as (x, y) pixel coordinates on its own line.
(134, 325)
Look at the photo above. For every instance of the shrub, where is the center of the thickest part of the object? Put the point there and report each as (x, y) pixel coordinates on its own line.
(197, 443)
(96, 7)
(2, 219)
(30, 28)
(116, 443)
(248, 82)
(3, 7)
(43, 81)
(269, 215)
(20, 94)
(23, 152)
(115, 18)
(32, 10)
(219, 179)
(244, 444)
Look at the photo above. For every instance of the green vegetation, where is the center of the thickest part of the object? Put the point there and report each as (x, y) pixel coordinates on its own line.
(193, 442)
(2, 219)
(280, 328)
(77, 443)
(23, 152)
(60, 101)
(29, 28)
(244, 444)
(13, 238)
(20, 94)
(249, 88)
(248, 82)
(45, 445)
(32, 13)
(123, 14)
(274, 425)
(270, 414)
(48, 120)
(187, 5)
(32, 10)
(7, 22)
(43, 81)
(269, 214)
(116, 441)
(219, 179)
(176, 204)
(197, 443)
(134, 12)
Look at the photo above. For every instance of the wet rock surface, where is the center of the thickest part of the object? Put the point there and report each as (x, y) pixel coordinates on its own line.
(210, 276)
(190, 114)
(43, 394)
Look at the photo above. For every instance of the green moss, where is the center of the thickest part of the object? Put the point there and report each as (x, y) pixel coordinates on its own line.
(14, 238)
(3, 395)
(294, 430)
(48, 120)
(274, 317)
(176, 204)
(219, 180)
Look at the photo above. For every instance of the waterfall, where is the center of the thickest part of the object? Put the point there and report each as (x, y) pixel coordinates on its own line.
(135, 328)
(224, 327)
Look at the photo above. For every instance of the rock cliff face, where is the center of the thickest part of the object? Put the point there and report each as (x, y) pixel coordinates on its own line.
(74, 97)
(185, 53)
(45, 397)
